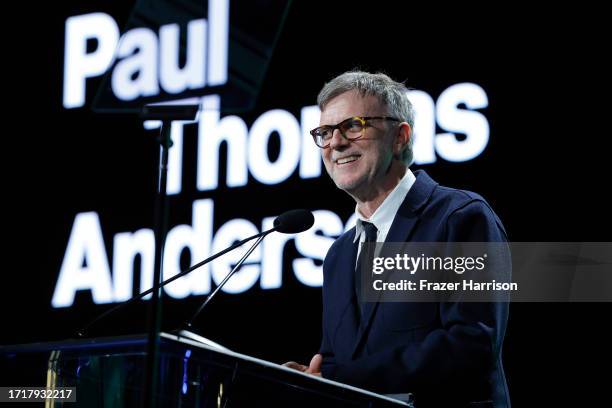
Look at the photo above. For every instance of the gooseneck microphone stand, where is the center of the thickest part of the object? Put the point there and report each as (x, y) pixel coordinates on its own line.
(290, 222)
(187, 325)
(83, 331)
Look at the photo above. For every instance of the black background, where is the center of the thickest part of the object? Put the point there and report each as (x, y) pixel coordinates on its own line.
(544, 170)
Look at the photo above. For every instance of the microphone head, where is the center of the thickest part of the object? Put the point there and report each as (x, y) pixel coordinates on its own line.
(294, 221)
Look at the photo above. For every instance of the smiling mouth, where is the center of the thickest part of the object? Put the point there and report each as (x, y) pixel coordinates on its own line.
(347, 159)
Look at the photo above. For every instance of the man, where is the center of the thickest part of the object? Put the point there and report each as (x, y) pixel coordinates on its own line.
(444, 353)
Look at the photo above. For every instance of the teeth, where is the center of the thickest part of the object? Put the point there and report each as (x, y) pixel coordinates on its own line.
(347, 159)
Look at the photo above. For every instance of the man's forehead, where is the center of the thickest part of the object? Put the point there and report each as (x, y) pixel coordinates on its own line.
(349, 104)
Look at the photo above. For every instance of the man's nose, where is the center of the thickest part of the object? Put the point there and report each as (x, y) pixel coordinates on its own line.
(338, 141)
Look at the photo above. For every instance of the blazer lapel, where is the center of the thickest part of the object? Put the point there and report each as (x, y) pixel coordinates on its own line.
(401, 229)
(341, 293)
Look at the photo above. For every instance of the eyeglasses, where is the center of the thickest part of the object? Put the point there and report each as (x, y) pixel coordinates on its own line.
(350, 129)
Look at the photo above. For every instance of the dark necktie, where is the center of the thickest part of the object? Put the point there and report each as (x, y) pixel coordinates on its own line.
(370, 236)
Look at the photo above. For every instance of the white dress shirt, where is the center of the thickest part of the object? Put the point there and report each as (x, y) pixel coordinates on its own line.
(385, 214)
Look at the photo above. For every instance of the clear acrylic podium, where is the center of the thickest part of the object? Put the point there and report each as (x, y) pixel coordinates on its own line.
(108, 372)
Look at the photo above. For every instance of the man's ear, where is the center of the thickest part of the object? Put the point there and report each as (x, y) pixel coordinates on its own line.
(402, 138)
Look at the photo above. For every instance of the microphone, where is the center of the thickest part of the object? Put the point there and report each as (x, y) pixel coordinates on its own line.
(294, 221)
(290, 222)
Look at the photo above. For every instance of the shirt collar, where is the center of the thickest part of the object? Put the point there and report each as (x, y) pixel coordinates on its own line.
(385, 214)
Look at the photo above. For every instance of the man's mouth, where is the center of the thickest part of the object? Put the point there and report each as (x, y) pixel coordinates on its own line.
(347, 159)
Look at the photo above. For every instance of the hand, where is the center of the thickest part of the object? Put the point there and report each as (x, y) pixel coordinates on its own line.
(314, 368)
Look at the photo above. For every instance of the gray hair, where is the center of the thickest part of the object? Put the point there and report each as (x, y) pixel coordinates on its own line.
(390, 93)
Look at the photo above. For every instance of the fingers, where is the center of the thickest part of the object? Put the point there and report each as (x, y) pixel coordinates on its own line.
(315, 365)
(296, 366)
(313, 368)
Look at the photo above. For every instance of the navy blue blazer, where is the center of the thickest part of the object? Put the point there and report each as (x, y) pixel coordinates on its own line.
(442, 352)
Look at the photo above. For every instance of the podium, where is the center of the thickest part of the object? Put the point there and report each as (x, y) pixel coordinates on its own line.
(108, 372)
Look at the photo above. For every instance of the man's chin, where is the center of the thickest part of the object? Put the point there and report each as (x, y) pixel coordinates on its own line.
(348, 186)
